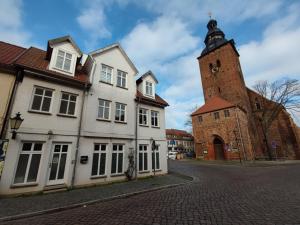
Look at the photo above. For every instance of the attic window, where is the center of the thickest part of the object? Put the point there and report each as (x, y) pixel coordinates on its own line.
(149, 88)
(63, 61)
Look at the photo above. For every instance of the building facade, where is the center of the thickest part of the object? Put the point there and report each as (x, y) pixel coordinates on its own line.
(179, 140)
(227, 126)
(80, 123)
(8, 55)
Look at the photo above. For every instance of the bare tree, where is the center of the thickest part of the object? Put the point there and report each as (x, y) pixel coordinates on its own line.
(276, 96)
(188, 122)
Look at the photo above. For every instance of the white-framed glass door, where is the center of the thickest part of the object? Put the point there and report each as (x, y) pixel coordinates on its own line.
(57, 165)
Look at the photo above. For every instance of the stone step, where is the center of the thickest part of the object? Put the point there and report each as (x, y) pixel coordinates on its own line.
(55, 188)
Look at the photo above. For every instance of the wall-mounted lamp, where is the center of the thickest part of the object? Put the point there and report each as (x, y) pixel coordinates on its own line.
(15, 123)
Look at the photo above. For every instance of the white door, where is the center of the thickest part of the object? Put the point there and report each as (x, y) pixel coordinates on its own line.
(58, 164)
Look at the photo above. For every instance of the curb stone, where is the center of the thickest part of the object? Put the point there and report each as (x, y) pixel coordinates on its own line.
(91, 202)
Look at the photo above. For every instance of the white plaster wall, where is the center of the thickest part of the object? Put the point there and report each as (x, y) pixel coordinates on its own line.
(99, 90)
(42, 123)
(12, 157)
(35, 127)
(84, 171)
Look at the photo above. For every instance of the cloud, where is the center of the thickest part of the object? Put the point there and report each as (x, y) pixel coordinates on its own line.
(92, 19)
(11, 26)
(156, 43)
(277, 54)
(197, 11)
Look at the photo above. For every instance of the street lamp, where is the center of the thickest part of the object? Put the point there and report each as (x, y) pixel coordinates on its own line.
(15, 123)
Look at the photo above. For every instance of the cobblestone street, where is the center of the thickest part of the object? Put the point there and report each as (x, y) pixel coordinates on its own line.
(219, 194)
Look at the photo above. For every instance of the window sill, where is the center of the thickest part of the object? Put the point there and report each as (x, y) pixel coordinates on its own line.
(158, 170)
(98, 177)
(142, 125)
(125, 88)
(62, 70)
(120, 122)
(65, 115)
(141, 172)
(117, 175)
(155, 127)
(104, 82)
(23, 185)
(103, 120)
(40, 112)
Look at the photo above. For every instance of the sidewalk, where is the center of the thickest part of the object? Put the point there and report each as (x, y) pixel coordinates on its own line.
(254, 163)
(37, 204)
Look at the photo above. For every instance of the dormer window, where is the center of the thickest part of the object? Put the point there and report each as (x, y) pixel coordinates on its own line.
(149, 88)
(63, 61)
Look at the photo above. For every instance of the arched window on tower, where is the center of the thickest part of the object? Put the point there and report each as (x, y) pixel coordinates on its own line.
(257, 104)
(218, 63)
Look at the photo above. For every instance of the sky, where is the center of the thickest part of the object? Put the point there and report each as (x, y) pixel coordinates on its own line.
(166, 37)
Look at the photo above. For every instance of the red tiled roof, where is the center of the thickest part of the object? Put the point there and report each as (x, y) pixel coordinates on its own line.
(181, 133)
(213, 104)
(35, 59)
(158, 101)
(9, 53)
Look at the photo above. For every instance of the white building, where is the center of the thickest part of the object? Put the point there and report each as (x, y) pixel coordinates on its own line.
(49, 97)
(82, 120)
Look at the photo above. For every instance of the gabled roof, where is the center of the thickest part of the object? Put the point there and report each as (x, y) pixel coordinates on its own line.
(34, 60)
(149, 73)
(67, 38)
(157, 101)
(9, 53)
(213, 104)
(181, 133)
(112, 46)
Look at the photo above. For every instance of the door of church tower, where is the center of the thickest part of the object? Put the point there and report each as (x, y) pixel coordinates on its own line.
(219, 149)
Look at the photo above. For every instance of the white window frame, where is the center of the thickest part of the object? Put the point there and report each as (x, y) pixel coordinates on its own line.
(64, 58)
(149, 87)
(100, 153)
(143, 150)
(68, 103)
(123, 78)
(104, 74)
(43, 98)
(157, 117)
(117, 158)
(31, 152)
(156, 155)
(118, 112)
(104, 108)
(142, 114)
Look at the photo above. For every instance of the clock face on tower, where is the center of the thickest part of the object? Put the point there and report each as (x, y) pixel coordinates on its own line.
(215, 67)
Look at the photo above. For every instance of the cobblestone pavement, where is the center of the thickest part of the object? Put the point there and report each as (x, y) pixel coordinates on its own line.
(220, 194)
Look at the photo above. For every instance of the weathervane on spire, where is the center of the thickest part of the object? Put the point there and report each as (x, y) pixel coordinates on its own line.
(209, 14)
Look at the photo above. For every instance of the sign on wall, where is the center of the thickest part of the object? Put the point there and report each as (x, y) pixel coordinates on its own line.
(3, 149)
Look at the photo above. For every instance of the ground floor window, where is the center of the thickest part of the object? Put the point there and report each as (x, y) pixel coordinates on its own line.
(143, 157)
(99, 159)
(29, 163)
(117, 159)
(155, 159)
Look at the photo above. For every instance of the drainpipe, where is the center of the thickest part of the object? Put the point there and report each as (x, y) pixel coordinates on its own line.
(78, 136)
(136, 137)
(240, 134)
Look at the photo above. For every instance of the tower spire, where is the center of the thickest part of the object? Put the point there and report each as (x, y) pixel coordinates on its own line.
(214, 37)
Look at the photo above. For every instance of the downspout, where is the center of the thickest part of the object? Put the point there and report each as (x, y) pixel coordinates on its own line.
(136, 137)
(242, 141)
(10, 104)
(78, 136)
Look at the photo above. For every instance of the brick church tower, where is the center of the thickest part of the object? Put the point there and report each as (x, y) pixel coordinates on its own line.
(225, 127)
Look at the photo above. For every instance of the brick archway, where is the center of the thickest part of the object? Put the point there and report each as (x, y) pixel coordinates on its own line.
(219, 148)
